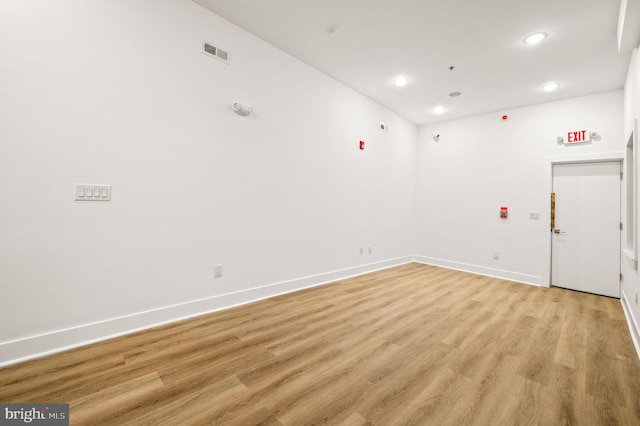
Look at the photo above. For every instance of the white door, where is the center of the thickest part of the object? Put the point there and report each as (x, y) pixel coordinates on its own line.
(586, 238)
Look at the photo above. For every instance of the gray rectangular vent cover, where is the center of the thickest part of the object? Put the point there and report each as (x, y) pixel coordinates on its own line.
(216, 52)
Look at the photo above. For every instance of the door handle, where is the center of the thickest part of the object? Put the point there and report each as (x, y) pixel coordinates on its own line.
(557, 231)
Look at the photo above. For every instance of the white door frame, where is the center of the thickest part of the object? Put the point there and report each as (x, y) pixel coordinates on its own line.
(550, 161)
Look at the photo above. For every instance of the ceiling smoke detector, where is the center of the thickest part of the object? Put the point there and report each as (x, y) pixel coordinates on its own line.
(332, 29)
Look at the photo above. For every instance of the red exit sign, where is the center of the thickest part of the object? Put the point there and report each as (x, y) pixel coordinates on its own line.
(578, 136)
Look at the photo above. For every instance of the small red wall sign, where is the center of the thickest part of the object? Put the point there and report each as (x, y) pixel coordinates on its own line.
(578, 136)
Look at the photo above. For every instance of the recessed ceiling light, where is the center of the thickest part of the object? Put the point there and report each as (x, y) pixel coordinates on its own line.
(455, 94)
(550, 87)
(400, 81)
(439, 109)
(535, 38)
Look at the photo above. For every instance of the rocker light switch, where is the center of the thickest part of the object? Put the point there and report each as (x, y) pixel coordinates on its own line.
(88, 192)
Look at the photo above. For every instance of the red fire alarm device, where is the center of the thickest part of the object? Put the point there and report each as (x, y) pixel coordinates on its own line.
(361, 144)
(504, 212)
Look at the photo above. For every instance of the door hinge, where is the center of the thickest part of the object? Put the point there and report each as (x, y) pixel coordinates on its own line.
(621, 276)
(621, 226)
(620, 175)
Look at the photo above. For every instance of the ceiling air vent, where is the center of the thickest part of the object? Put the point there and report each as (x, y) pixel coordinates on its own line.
(216, 52)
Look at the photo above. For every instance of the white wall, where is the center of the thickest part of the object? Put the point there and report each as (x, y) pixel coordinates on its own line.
(117, 92)
(631, 277)
(483, 163)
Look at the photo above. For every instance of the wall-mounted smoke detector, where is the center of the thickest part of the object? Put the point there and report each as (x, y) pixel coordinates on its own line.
(242, 110)
(216, 52)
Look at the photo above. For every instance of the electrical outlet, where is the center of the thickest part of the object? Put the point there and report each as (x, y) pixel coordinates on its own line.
(534, 216)
(361, 250)
(217, 271)
(370, 249)
(496, 255)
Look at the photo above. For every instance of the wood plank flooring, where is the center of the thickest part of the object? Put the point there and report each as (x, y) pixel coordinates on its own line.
(414, 344)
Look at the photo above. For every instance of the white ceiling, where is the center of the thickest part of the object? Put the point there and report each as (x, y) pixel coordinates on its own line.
(377, 40)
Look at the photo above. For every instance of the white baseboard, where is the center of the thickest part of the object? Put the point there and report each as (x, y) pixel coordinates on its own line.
(481, 270)
(633, 325)
(23, 349)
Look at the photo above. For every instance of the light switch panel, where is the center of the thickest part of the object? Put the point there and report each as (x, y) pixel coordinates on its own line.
(90, 192)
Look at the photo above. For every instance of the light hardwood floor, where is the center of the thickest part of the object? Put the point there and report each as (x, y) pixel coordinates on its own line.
(413, 344)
